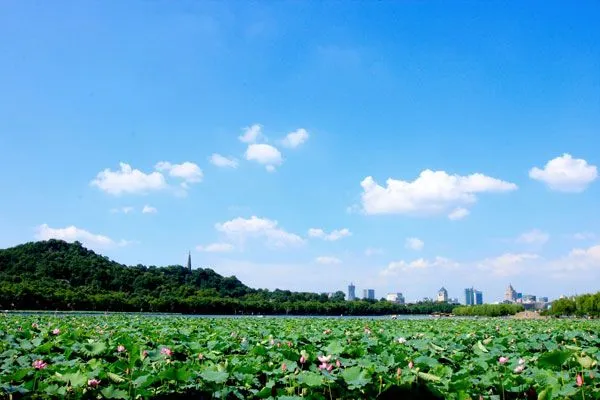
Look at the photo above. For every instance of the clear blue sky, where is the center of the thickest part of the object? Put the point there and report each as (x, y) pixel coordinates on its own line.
(484, 116)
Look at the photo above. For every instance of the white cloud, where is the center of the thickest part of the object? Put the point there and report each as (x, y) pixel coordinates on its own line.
(223, 162)
(414, 243)
(72, 233)
(264, 154)
(124, 210)
(187, 171)
(251, 134)
(295, 139)
(128, 180)
(332, 236)
(216, 248)
(580, 260)
(327, 260)
(566, 174)
(433, 192)
(508, 264)
(584, 236)
(458, 213)
(396, 268)
(373, 251)
(243, 228)
(534, 236)
(149, 209)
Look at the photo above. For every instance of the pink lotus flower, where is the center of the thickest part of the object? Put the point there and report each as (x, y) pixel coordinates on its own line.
(302, 359)
(56, 331)
(326, 366)
(39, 364)
(367, 331)
(327, 331)
(93, 382)
(398, 372)
(120, 348)
(166, 351)
(289, 344)
(144, 353)
(503, 360)
(411, 365)
(338, 363)
(579, 380)
(200, 356)
(521, 361)
(519, 368)
(283, 367)
(401, 340)
(34, 325)
(324, 359)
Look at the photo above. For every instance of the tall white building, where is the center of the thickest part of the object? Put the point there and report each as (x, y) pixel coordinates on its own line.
(395, 298)
(442, 296)
(351, 292)
(510, 294)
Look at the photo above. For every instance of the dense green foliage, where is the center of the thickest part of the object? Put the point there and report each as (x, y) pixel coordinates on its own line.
(55, 275)
(586, 304)
(488, 310)
(279, 358)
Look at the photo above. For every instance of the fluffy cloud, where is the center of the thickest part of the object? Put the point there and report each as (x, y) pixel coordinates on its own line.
(396, 268)
(534, 236)
(295, 139)
(124, 210)
(433, 192)
(243, 228)
(72, 234)
(128, 180)
(584, 236)
(414, 243)
(223, 162)
(332, 236)
(566, 174)
(216, 248)
(251, 134)
(327, 260)
(149, 209)
(458, 213)
(508, 264)
(188, 171)
(264, 154)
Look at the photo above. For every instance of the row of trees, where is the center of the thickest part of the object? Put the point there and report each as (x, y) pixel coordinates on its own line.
(584, 305)
(55, 275)
(488, 310)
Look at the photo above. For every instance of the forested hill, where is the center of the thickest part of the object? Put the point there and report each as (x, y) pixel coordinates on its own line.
(56, 275)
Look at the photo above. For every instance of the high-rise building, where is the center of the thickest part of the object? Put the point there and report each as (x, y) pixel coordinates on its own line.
(478, 297)
(543, 299)
(189, 262)
(369, 294)
(394, 297)
(469, 296)
(442, 296)
(351, 292)
(510, 294)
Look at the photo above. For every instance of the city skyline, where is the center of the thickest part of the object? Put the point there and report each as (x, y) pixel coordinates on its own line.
(300, 145)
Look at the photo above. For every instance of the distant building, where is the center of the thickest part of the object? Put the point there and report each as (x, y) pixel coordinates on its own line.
(510, 294)
(369, 294)
(442, 296)
(469, 296)
(395, 298)
(189, 261)
(543, 300)
(529, 298)
(478, 297)
(351, 292)
(473, 297)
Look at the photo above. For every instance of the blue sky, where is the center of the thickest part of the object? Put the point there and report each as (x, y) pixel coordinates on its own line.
(485, 118)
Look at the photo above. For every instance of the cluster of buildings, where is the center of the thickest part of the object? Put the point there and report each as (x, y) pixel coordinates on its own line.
(529, 301)
(368, 294)
(473, 297)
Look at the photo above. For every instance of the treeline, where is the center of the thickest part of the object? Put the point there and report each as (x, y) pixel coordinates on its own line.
(488, 310)
(583, 305)
(56, 275)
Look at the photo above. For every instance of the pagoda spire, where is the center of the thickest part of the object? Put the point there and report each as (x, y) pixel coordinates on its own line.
(189, 262)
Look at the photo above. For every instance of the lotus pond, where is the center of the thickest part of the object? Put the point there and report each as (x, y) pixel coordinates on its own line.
(126, 357)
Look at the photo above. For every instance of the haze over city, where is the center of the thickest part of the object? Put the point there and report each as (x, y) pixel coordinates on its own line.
(302, 146)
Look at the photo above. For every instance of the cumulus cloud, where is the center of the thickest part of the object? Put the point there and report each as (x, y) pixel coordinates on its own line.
(251, 134)
(128, 180)
(534, 236)
(72, 234)
(396, 268)
(188, 171)
(332, 236)
(580, 260)
(508, 264)
(295, 139)
(216, 248)
(414, 243)
(433, 192)
(264, 154)
(566, 174)
(149, 209)
(255, 227)
(584, 236)
(458, 213)
(222, 161)
(327, 260)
